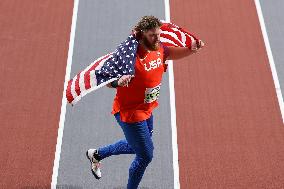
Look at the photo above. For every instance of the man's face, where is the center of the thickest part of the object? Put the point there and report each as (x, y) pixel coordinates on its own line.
(151, 38)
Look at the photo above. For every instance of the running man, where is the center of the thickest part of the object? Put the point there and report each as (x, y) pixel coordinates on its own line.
(136, 97)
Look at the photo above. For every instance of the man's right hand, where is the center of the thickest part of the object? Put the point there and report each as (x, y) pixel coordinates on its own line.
(200, 44)
(124, 80)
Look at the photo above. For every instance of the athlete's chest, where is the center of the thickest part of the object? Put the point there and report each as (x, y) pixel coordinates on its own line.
(150, 67)
(148, 75)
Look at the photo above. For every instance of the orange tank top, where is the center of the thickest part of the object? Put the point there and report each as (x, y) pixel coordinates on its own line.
(136, 102)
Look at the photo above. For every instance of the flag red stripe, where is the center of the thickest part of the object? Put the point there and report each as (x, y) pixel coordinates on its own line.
(69, 95)
(178, 34)
(169, 44)
(87, 79)
(77, 87)
(171, 38)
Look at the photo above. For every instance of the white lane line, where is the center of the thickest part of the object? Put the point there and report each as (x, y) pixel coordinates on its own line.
(64, 101)
(173, 109)
(270, 58)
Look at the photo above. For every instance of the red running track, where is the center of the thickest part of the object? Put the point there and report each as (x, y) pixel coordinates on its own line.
(230, 131)
(34, 42)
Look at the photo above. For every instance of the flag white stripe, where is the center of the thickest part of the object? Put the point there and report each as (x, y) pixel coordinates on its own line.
(174, 36)
(73, 92)
(82, 82)
(166, 40)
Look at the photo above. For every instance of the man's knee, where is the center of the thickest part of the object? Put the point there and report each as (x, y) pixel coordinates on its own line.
(147, 156)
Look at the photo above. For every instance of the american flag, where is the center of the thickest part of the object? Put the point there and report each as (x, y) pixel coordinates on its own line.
(112, 66)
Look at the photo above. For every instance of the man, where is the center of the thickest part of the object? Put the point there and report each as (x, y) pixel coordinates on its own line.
(135, 99)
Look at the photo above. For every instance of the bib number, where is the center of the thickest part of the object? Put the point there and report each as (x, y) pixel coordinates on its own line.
(152, 94)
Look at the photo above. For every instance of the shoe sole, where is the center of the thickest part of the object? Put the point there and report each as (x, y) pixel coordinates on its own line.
(91, 168)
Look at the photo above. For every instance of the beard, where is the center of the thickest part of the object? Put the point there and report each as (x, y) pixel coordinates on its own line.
(151, 46)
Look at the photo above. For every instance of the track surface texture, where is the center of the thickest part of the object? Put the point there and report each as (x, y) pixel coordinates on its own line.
(34, 41)
(230, 132)
(229, 128)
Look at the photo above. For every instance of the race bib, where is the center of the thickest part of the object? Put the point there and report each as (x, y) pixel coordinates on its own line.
(152, 94)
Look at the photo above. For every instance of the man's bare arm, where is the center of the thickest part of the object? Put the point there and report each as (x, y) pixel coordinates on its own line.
(176, 53)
